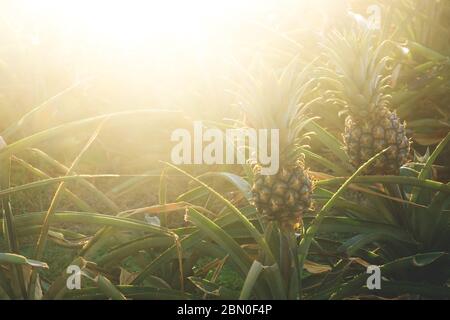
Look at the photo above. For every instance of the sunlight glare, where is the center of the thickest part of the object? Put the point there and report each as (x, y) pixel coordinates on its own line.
(129, 23)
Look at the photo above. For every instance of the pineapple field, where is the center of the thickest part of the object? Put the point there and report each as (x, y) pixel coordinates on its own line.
(225, 150)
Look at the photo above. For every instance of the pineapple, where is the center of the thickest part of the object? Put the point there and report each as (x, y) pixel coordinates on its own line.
(360, 87)
(274, 101)
(283, 197)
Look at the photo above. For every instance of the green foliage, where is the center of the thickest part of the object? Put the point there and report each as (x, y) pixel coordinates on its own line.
(208, 241)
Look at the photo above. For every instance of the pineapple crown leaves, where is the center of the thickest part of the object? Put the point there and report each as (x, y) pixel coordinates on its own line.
(358, 80)
(276, 100)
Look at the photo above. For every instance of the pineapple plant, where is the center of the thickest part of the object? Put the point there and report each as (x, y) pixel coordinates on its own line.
(272, 101)
(360, 82)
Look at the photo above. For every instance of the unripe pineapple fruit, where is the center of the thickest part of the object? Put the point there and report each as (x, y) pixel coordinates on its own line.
(365, 138)
(283, 197)
(360, 83)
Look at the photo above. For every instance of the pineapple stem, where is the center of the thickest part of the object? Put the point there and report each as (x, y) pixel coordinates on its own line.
(285, 259)
(288, 249)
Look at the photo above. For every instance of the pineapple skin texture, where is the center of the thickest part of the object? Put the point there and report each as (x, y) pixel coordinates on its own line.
(285, 196)
(365, 137)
